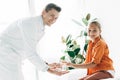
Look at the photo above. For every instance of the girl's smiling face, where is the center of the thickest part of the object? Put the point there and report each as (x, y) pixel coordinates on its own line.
(94, 31)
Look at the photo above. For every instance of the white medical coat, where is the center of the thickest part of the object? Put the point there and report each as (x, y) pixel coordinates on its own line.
(19, 42)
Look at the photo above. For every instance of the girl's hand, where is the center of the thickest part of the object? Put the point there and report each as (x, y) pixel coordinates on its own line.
(67, 63)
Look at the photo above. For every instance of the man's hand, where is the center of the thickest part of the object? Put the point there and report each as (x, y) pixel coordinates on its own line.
(57, 72)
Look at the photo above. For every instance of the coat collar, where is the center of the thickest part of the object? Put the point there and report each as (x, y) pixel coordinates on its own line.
(95, 41)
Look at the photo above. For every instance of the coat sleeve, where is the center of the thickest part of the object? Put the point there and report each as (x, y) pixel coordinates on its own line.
(30, 41)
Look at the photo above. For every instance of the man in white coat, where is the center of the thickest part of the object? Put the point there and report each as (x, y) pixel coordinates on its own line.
(19, 41)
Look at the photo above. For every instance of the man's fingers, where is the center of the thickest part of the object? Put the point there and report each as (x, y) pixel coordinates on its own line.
(62, 72)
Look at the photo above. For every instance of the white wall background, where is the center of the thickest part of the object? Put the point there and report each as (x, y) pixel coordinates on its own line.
(50, 47)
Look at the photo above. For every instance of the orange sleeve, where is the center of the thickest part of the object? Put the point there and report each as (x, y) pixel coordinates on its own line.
(98, 52)
(88, 53)
(86, 59)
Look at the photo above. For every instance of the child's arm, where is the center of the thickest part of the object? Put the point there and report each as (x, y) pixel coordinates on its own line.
(84, 65)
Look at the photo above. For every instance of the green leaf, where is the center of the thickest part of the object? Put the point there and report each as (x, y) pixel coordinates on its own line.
(85, 33)
(71, 54)
(72, 60)
(62, 58)
(88, 17)
(85, 21)
(76, 51)
(70, 68)
(69, 42)
(85, 47)
(63, 39)
(80, 57)
(75, 42)
(68, 37)
(71, 46)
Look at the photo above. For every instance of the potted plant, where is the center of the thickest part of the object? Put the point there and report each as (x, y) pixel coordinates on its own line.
(72, 51)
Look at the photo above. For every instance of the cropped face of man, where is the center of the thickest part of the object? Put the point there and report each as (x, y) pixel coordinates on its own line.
(50, 17)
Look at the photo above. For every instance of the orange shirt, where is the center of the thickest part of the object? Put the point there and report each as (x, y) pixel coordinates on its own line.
(98, 53)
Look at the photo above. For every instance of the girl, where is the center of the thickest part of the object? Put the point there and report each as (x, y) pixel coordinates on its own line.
(98, 63)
